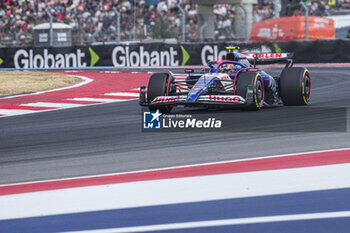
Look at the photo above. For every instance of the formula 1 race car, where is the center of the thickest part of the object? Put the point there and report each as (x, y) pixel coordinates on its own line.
(234, 81)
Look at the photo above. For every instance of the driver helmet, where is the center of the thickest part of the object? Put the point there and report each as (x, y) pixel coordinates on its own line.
(227, 68)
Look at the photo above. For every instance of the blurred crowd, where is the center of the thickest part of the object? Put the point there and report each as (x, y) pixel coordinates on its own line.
(95, 20)
(266, 9)
(319, 7)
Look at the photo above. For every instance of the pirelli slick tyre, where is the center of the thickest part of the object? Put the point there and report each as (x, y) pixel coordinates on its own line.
(254, 80)
(295, 86)
(159, 85)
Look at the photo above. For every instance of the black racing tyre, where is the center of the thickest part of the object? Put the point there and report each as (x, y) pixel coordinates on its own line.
(159, 85)
(295, 86)
(245, 79)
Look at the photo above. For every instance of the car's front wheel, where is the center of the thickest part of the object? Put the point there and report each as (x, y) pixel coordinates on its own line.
(159, 85)
(254, 80)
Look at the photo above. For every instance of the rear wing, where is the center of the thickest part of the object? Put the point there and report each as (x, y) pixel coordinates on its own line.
(269, 58)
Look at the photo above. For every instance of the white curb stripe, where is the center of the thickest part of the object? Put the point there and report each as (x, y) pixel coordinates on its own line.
(13, 112)
(124, 94)
(100, 100)
(223, 222)
(53, 105)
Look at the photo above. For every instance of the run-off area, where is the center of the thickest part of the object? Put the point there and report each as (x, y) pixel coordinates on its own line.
(304, 195)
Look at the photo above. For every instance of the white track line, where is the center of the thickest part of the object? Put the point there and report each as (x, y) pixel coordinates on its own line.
(100, 100)
(222, 222)
(53, 105)
(14, 112)
(124, 94)
(182, 166)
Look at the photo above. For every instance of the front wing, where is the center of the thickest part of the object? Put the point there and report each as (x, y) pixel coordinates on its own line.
(208, 99)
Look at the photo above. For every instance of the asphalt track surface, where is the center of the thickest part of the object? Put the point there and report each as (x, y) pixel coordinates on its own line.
(108, 138)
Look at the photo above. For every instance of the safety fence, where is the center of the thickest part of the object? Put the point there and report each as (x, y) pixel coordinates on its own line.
(163, 54)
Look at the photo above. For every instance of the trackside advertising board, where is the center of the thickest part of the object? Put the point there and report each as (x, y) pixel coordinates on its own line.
(123, 55)
(162, 54)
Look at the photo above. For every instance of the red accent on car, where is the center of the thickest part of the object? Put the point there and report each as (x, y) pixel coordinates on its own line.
(167, 89)
(189, 71)
(263, 91)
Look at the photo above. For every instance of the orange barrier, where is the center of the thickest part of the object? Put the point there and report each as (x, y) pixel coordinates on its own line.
(292, 28)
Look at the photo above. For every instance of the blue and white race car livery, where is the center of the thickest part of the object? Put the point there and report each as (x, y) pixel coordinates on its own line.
(234, 81)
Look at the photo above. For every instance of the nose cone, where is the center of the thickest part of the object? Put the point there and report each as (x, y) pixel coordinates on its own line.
(201, 85)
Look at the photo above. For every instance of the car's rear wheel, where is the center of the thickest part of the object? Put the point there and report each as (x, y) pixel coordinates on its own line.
(253, 79)
(159, 85)
(295, 86)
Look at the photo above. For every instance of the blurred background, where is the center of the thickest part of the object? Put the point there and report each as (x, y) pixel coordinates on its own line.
(93, 22)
